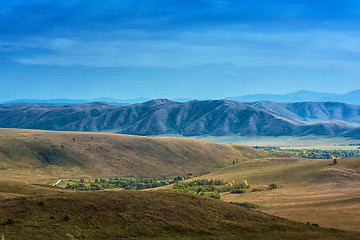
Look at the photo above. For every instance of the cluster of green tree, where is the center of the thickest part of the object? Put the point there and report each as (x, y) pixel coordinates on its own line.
(316, 153)
(96, 185)
(211, 188)
(269, 187)
(125, 183)
(239, 191)
(3, 168)
(273, 186)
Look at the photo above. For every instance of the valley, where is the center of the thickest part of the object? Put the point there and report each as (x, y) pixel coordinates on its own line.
(308, 142)
(311, 191)
(179, 120)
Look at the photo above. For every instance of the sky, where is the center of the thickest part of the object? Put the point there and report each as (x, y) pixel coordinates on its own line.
(198, 49)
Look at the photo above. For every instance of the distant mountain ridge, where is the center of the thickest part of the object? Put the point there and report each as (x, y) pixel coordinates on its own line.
(313, 112)
(352, 97)
(193, 118)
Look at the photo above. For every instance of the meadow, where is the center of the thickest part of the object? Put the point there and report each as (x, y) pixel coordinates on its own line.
(205, 195)
(314, 191)
(60, 214)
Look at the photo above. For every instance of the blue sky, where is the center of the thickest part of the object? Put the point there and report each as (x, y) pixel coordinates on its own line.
(171, 49)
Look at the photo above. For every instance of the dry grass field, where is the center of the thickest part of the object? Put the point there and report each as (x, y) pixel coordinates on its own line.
(34, 156)
(38, 212)
(128, 155)
(312, 191)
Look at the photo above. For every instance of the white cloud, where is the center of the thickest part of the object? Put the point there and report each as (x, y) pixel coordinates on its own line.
(315, 49)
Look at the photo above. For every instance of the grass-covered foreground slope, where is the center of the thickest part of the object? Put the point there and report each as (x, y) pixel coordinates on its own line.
(140, 215)
(313, 191)
(44, 156)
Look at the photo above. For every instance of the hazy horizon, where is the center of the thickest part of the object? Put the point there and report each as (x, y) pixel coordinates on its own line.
(192, 49)
(304, 94)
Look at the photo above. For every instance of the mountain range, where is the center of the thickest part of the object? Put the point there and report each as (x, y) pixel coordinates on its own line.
(193, 118)
(352, 97)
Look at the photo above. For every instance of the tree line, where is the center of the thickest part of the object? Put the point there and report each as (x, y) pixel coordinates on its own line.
(205, 187)
(315, 153)
(210, 187)
(124, 183)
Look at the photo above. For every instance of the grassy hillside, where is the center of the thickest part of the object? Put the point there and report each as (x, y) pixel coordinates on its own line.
(43, 156)
(27, 159)
(312, 190)
(142, 215)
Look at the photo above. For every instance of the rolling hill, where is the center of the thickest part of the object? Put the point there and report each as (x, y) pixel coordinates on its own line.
(355, 134)
(140, 215)
(194, 118)
(32, 160)
(311, 190)
(45, 157)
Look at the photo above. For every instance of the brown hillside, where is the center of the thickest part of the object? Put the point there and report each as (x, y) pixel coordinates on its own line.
(312, 190)
(127, 155)
(33, 156)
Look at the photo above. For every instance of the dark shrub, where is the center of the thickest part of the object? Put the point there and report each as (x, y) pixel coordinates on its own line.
(238, 191)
